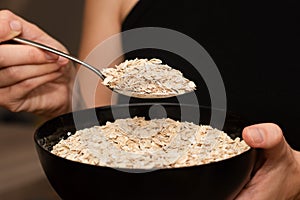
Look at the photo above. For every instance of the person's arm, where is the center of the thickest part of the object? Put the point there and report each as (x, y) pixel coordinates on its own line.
(278, 173)
(32, 80)
(102, 19)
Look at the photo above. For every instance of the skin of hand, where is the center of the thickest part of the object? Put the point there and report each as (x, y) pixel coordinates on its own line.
(277, 174)
(32, 80)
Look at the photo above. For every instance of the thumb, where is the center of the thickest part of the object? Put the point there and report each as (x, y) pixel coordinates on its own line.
(269, 138)
(10, 25)
(276, 173)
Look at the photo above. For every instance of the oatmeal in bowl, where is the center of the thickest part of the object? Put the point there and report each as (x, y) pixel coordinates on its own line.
(137, 143)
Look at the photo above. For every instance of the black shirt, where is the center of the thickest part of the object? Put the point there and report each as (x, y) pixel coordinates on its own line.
(255, 45)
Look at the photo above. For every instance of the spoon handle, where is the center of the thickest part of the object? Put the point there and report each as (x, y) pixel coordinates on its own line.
(60, 53)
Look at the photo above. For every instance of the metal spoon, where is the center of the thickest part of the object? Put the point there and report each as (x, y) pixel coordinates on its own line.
(90, 67)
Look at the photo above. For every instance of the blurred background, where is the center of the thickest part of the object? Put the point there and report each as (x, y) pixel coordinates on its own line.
(21, 175)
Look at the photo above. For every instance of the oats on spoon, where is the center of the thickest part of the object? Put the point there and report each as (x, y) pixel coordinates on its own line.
(143, 78)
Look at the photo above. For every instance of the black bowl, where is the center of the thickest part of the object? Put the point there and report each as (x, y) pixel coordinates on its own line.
(73, 180)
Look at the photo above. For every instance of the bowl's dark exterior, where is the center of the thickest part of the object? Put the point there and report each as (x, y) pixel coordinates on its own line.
(74, 180)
